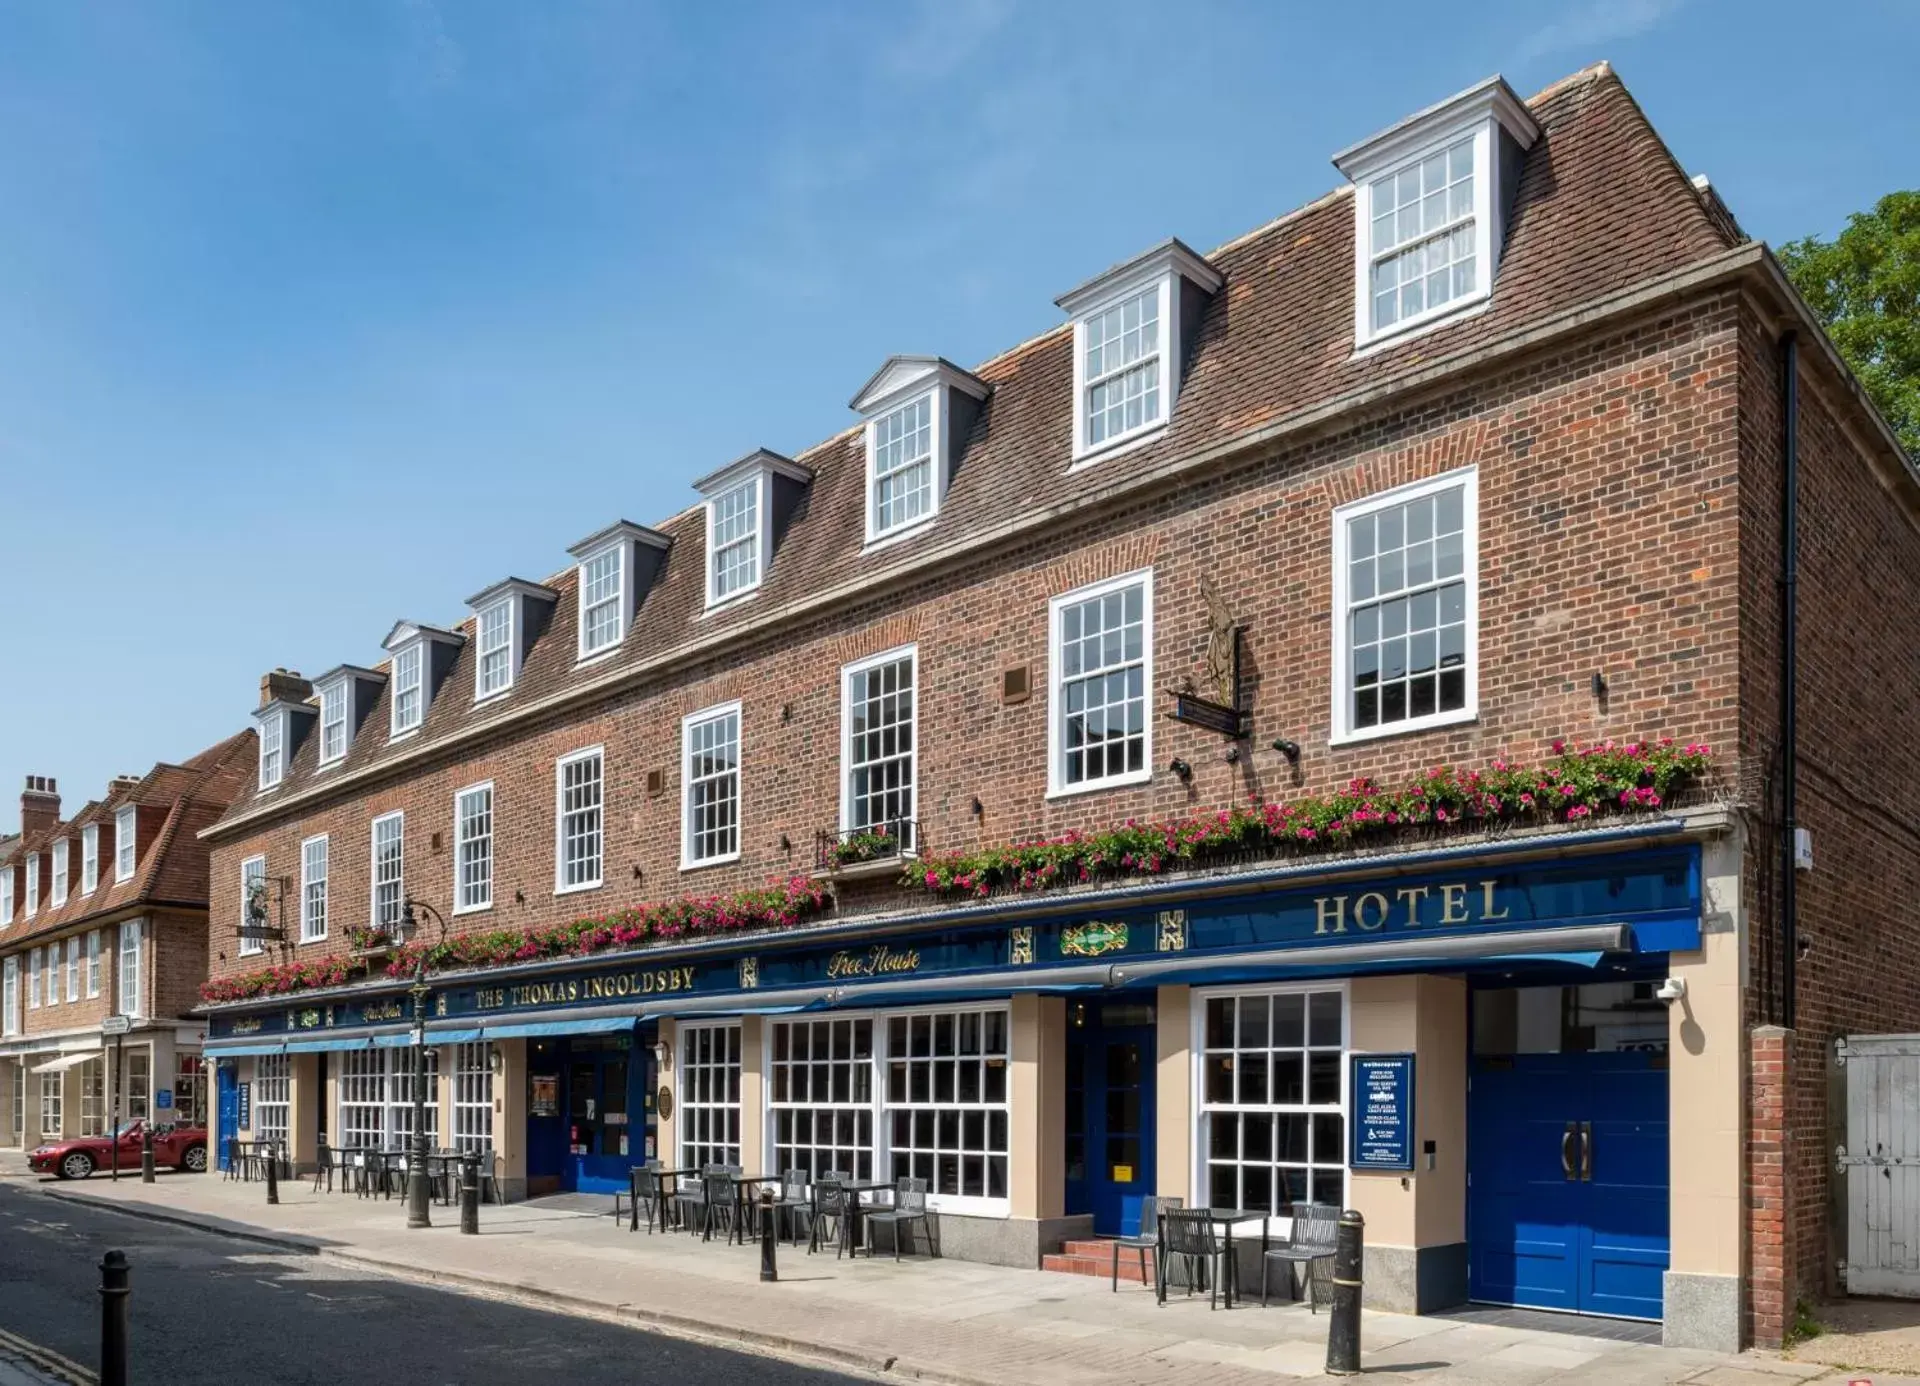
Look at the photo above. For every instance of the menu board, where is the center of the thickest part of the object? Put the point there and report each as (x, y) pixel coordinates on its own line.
(1382, 1096)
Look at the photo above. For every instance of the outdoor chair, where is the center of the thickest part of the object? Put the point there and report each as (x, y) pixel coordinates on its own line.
(689, 1197)
(643, 1186)
(719, 1206)
(792, 1201)
(830, 1212)
(1189, 1237)
(1147, 1239)
(323, 1167)
(1315, 1226)
(909, 1206)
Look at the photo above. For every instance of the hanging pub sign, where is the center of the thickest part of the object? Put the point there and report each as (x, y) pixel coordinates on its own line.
(1381, 1094)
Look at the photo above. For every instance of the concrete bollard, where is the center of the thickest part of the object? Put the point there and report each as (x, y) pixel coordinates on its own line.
(470, 1196)
(1343, 1329)
(769, 1238)
(113, 1319)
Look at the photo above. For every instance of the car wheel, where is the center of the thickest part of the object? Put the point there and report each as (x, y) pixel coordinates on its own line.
(77, 1165)
(194, 1160)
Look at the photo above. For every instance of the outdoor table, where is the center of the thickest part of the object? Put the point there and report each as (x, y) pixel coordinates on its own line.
(667, 1185)
(1227, 1217)
(856, 1209)
(742, 1200)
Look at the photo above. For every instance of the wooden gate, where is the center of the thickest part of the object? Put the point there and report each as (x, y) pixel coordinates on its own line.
(1881, 1162)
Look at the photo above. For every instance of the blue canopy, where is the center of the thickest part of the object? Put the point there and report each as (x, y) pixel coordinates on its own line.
(559, 1025)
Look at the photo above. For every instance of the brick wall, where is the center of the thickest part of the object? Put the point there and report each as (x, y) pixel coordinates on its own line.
(1607, 544)
(1770, 1285)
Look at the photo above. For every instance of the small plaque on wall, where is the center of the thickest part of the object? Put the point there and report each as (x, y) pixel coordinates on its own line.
(663, 1102)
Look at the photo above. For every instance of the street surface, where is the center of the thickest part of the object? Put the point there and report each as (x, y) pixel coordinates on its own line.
(210, 1309)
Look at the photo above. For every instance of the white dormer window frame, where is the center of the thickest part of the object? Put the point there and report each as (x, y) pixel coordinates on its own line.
(125, 848)
(1430, 201)
(335, 734)
(89, 858)
(6, 894)
(605, 578)
(61, 857)
(903, 440)
(33, 884)
(407, 709)
(496, 665)
(273, 748)
(739, 538)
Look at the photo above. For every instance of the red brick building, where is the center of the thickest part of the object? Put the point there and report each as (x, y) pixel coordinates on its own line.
(1481, 453)
(105, 914)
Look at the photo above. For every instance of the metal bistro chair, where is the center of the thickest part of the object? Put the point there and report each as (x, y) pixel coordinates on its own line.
(1147, 1239)
(909, 1206)
(831, 1210)
(323, 1167)
(719, 1204)
(690, 1198)
(643, 1187)
(1190, 1237)
(794, 1202)
(1315, 1226)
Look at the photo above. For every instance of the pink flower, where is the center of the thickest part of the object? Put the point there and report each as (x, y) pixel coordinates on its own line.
(1578, 811)
(1559, 747)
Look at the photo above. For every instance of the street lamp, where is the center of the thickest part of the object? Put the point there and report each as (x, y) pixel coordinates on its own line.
(417, 1200)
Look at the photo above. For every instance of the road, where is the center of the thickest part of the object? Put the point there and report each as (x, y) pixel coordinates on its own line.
(209, 1309)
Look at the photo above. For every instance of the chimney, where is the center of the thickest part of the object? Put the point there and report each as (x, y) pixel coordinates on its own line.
(284, 685)
(121, 783)
(39, 805)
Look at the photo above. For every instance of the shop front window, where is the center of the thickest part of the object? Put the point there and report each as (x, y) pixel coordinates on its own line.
(822, 1097)
(473, 1098)
(272, 1097)
(93, 1099)
(1273, 1101)
(50, 1128)
(376, 1097)
(710, 1095)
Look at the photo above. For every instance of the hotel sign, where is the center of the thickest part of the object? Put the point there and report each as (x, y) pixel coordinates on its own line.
(599, 986)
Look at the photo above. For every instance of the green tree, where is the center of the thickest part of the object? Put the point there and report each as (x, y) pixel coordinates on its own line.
(1865, 285)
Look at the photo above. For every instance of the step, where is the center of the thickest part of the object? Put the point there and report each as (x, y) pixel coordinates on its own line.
(1099, 1266)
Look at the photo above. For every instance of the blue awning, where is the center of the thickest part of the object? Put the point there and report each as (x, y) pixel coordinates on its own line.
(466, 1034)
(558, 1025)
(324, 1043)
(239, 1051)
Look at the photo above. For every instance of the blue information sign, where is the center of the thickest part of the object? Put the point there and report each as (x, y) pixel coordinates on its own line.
(163, 1098)
(245, 1123)
(1382, 1090)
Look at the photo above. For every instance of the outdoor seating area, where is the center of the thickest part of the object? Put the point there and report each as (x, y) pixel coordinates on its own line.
(364, 1172)
(1199, 1249)
(834, 1209)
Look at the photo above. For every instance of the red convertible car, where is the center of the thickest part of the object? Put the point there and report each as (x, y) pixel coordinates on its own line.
(182, 1147)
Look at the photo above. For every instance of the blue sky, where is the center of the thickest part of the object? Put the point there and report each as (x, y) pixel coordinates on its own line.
(314, 316)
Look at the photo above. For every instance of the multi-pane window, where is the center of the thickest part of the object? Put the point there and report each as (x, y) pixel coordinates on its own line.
(127, 1002)
(733, 550)
(712, 778)
(473, 848)
(333, 721)
(472, 1098)
(409, 687)
(93, 964)
(124, 842)
(946, 1098)
(6, 895)
(10, 997)
(1273, 1101)
(880, 749)
(50, 1085)
(253, 875)
(1102, 646)
(53, 974)
(73, 968)
(93, 1099)
(313, 889)
(1122, 368)
(272, 1097)
(59, 874)
(33, 884)
(139, 1084)
(1404, 578)
(709, 1095)
(600, 600)
(578, 785)
(33, 979)
(1422, 245)
(376, 1097)
(902, 444)
(389, 869)
(494, 672)
(89, 858)
(273, 734)
(822, 1096)
(400, 1070)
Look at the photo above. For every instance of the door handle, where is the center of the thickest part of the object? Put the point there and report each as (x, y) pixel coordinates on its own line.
(1586, 1152)
(1566, 1150)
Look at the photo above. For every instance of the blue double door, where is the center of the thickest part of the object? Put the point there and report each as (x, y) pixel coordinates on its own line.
(1111, 1053)
(1568, 1199)
(589, 1113)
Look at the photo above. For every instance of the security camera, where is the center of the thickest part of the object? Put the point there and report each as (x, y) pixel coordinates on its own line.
(1672, 989)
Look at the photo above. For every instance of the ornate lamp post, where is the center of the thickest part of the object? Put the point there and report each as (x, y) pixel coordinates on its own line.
(417, 1191)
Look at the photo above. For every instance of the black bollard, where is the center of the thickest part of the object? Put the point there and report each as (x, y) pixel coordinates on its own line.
(470, 1196)
(769, 1242)
(113, 1319)
(146, 1154)
(273, 1175)
(1343, 1329)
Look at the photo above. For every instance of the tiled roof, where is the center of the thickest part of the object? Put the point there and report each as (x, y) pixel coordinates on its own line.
(1600, 207)
(171, 870)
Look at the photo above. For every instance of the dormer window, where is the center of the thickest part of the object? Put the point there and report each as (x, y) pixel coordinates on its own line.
(333, 721)
(507, 618)
(748, 505)
(33, 884)
(420, 657)
(1134, 328)
(617, 566)
(920, 411)
(602, 580)
(273, 740)
(494, 672)
(89, 858)
(59, 873)
(1430, 203)
(125, 853)
(409, 689)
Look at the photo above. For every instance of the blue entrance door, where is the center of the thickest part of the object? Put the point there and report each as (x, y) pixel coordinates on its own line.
(602, 1146)
(228, 1108)
(1110, 1126)
(1567, 1199)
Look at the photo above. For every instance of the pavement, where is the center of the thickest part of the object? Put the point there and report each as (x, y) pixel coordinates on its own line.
(935, 1320)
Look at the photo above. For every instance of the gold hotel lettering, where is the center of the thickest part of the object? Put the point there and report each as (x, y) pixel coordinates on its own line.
(613, 986)
(1370, 911)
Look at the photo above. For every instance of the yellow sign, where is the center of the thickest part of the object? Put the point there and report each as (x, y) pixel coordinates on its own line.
(1123, 1174)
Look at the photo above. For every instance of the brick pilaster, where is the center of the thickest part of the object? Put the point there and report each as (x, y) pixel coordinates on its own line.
(1770, 1274)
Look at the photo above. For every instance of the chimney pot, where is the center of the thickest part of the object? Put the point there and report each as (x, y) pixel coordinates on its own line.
(39, 805)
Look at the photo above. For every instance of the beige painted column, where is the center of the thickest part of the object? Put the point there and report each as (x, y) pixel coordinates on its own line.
(445, 1060)
(303, 1111)
(9, 1079)
(510, 1118)
(1175, 1111)
(1706, 1117)
(70, 1101)
(754, 1153)
(1417, 1223)
(1037, 1095)
(667, 1124)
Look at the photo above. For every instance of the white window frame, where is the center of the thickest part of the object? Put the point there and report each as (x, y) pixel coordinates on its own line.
(50, 966)
(621, 552)
(273, 751)
(252, 869)
(695, 1089)
(6, 894)
(560, 885)
(52, 1125)
(1467, 478)
(413, 652)
(89, 858)
(272, 1097)
(33, 979)
(507, 611)
(126, 842)
(472, 1073)
(1198, 1188)
(309, 915)
(760, 536)
(1057, 785)
(33, 884)
(10, 998)
(62, 855)
(460, 843)
(688, 725)
(1485, 174)
(128, 959)
(333, 720)
(1164, 288)
(936, 463)
(378, 873)
(93, 964)
(73, 968)
(881, 1151)
(848, 673)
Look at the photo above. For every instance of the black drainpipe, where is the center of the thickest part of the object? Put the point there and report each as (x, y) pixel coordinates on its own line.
(1789, 659)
